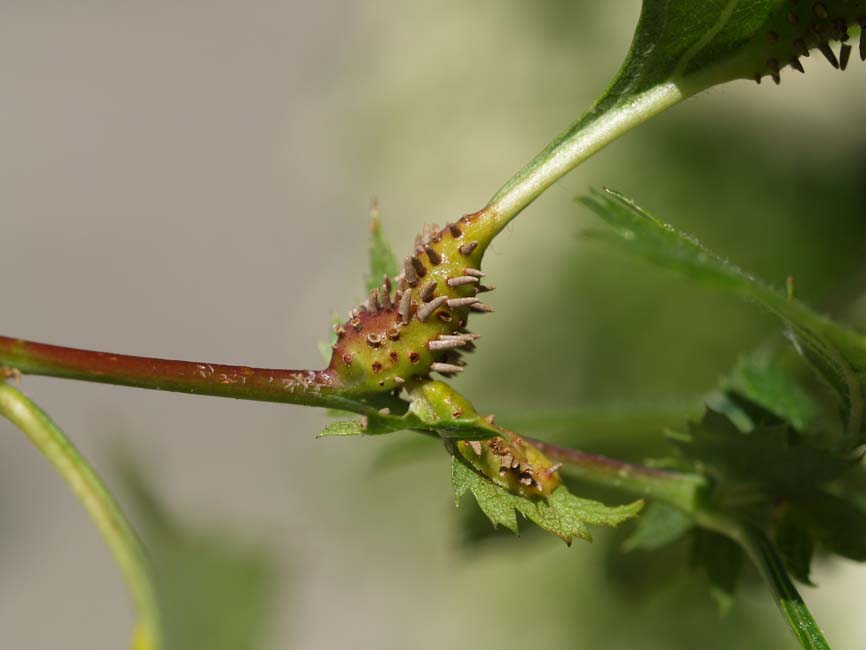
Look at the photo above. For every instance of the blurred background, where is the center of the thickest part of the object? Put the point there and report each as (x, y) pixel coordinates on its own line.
(192, 180)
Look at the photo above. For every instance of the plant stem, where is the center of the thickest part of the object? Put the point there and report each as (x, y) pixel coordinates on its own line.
(310, 387)
(686, 492)
(772, 569)
(600, 126)
(679, 489)
(101, 507)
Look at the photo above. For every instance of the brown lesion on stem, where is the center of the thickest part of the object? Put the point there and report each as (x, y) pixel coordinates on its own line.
(311, 387)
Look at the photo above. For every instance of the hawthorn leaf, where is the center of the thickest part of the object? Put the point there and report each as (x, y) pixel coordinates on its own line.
(722, 561)
(838, 525)
(777, 392)
(325, 348)
(380, 423)
(680, 48)
(695, 46)
(369, 425)
(342, 428)
(838, 353)
(772, 457)
(674, 39)
(382, 260)
(659, 525)
(795, 544)
(562, 514)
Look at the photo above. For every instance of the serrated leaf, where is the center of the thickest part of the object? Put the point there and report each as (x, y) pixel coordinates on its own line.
(722, 560)
(325, 348)
(775, 391)
(496, 502)
(675, 40)
(379, 423)
(382, 260)
(658, 526)
(697, 45)
(837, 352)
(795, 545)
(369, 425)
(680, 48)
(839, 526)
(562, 514)
(342, 428)
(772, 457)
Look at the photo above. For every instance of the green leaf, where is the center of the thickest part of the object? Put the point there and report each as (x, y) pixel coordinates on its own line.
(325, 348)
(795, 545)
(342, 428)
(697, 45)
(382, 260)
(562, 514)
(837, 352)
(380, 423)
(370, 425)
(658, 526)
(680, 47)
(777, 392)
(774, 458)
(722, 560)
(839, 526)
(713, 42)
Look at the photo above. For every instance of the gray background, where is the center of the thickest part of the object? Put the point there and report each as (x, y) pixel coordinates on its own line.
(191, 180)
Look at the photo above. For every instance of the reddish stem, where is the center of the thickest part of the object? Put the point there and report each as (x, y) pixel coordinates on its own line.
(311, 387)
(679, 489)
